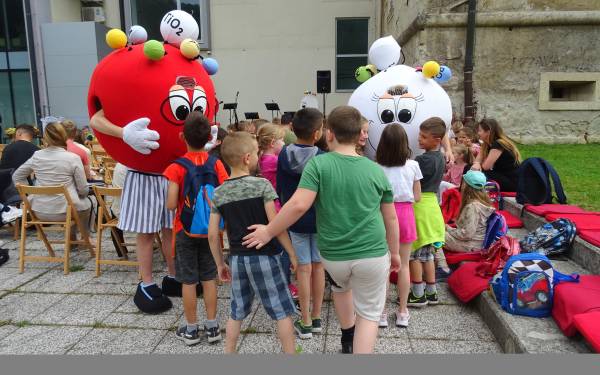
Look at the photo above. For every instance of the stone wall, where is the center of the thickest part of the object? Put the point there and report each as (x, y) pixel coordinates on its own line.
(508, 59)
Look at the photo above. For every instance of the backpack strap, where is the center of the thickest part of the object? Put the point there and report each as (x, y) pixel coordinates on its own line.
(561, 277)
(560, 193)
(186, 163)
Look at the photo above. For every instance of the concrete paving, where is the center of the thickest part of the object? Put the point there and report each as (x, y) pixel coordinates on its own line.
(43, 311)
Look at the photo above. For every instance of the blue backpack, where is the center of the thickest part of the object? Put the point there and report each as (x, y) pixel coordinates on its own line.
(198, 190)
(552, 238)
(526, 285)
(533, 183)
(496, 227)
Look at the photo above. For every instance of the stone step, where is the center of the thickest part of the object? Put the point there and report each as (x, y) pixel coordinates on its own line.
(521, 334)
(583, 253)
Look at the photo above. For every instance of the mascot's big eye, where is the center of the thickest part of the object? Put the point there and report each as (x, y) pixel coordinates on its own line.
(180, 106)
(199, 102)
(385, 110)
(406, 110)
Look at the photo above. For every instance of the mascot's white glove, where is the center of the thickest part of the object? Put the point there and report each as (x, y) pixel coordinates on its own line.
(214, 132)
(137, 135)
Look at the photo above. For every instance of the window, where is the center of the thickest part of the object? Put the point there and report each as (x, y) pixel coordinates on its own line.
(351, 50)
(569, 91)
(149, 13)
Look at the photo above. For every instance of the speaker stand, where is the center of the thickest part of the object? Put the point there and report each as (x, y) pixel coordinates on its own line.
(324, 107)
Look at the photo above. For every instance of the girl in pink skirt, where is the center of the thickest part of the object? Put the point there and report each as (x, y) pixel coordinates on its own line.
(393, 154)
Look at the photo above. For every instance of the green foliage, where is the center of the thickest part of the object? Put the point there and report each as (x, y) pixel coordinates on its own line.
(578, 167)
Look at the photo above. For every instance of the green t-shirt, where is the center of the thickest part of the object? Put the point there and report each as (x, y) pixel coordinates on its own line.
(350, 190)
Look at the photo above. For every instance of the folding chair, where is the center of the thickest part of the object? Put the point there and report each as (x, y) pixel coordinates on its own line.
(29, 218)
(107, 220)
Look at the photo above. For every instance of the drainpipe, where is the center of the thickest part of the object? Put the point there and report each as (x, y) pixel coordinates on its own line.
(468, 70)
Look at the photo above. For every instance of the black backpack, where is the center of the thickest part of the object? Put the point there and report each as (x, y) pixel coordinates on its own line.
(533, 183)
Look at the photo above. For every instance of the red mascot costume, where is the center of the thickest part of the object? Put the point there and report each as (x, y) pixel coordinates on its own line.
(139, 97)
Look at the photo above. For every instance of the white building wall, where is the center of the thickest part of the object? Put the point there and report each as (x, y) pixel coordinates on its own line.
(271, 49)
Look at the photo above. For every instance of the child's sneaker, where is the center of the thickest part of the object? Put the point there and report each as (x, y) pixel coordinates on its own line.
(347, 347)
(383, 320)
(304, 332)
(432, 298)
(441, 274)
(11, 214)
(416, 301)
(402, 320)
(213, 334)
(316, 325)
(189, 338)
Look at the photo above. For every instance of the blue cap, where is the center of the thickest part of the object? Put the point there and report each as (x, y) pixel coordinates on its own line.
(475, 179)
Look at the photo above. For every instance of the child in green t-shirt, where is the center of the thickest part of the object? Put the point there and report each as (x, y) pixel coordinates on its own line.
(357, 228)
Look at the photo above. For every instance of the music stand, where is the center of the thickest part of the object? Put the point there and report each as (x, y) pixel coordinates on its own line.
(231, 107)
(272, 107)
(251, 115)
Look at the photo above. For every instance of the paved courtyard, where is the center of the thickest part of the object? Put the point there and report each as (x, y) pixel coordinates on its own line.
(43, 311)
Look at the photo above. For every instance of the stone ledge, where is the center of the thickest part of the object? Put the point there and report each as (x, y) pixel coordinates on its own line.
(521, 334)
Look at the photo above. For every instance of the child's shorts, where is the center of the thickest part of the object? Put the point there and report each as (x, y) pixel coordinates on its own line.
(423, 254)
(367, 278)
(194, 262)
(306, 248)
(406, 221)
(259, 275)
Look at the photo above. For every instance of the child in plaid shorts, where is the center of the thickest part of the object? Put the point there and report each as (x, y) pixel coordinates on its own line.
(241, 201)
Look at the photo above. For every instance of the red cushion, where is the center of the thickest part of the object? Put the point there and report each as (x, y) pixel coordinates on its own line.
(571, 299)
(465, 284)
(511, 220)
(588, 325)
(583, 221)
(453, 257)
(544, 209)
(591, 236)
(509, 194)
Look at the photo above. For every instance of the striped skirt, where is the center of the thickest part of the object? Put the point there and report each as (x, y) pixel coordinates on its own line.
(143, 203)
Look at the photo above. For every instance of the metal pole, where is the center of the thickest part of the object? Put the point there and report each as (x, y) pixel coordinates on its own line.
(469, 116)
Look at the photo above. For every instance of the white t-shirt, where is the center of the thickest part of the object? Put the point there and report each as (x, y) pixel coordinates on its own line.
(402, 180)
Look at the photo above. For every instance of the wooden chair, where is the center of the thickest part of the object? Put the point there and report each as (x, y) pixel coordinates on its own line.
(105, 221)
(29, 218)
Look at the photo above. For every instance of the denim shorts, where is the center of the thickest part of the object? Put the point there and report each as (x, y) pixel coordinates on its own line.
(194, 262)
(259, 275)
(423, 254)
(305, 245)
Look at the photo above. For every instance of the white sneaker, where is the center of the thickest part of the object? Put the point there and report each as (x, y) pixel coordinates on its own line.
(402, 320)
(11, 215)
(383, 320)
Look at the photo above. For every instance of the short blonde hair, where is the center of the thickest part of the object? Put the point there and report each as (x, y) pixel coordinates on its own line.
(267, 134)
(235, 146)
(55, 135)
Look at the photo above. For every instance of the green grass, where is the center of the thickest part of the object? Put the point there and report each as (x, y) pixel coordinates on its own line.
(578, 167)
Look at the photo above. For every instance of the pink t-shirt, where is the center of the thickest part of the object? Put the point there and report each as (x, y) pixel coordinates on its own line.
(454, 174)
(72, 147)
(268, 168)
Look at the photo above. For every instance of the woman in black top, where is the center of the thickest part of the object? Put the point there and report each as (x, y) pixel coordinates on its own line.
(499, 158)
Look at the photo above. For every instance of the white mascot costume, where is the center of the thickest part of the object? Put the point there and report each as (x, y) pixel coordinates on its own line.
(399, 94)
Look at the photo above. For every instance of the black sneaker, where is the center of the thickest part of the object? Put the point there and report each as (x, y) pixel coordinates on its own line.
(213, 334)
(151, 300)
(432, 298)
(347, 347)
(441, 275)
(189, 338)
(416, 301)
(316, 325)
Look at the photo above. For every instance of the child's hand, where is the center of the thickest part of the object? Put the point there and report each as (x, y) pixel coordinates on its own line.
(293, 263)
(395, 262)
(224, 273)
